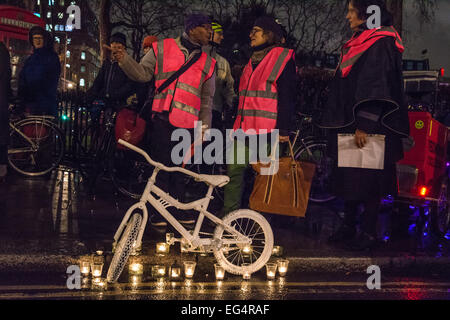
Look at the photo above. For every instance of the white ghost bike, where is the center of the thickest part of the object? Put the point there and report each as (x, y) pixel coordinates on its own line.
(242, 237)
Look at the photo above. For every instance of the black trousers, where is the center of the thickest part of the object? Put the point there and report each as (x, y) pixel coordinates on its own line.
(161, 150)
(369, 217)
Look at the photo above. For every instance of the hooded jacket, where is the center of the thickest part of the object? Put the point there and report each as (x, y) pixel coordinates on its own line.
(39, 78)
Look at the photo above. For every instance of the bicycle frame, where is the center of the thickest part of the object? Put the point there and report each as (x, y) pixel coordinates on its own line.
(165, 201)
(34, 146)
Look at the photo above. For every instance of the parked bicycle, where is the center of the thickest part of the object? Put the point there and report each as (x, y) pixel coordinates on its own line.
(102, 157)
(311, 146)
(36, 145)
(234, 235)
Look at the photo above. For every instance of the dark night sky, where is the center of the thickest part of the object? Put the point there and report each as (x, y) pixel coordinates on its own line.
(434, 36)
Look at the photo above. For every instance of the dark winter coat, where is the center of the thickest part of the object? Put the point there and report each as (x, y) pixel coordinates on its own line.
(5, 93)
(38, 81)
(371, 99)
(112, 85)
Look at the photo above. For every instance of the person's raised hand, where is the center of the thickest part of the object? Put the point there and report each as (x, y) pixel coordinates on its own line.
(117, 54)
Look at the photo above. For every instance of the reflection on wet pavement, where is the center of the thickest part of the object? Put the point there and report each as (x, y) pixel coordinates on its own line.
(56, 214)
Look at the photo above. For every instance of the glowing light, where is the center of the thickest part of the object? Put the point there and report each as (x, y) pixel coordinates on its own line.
(423, 191)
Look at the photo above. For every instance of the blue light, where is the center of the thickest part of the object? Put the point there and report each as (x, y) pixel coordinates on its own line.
(37, 14)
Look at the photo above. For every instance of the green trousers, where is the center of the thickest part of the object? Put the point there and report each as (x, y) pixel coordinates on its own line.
(234, 191)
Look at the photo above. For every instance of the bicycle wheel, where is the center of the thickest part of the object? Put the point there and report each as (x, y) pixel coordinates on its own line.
(124, 248)
(129, 173)
(231, 256)
(316, 152)
(36, 147)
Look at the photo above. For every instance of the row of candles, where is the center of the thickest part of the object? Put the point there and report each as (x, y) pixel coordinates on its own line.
(95, 265)
(175, 271)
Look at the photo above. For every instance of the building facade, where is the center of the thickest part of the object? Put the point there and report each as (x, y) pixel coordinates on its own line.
(78, 49)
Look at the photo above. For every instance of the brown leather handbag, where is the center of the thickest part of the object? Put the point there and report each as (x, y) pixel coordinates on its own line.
(287, 191)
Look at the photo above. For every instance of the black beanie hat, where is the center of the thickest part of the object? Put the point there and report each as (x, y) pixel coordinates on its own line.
(119, 38)
(269, 24)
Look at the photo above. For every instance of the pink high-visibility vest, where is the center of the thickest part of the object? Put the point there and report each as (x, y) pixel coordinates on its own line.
(182, 99)
(258, 93)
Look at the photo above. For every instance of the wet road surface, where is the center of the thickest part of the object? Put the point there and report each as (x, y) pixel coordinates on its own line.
(55, 216)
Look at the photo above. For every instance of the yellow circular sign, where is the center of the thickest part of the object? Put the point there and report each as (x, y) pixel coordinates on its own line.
(420, 124)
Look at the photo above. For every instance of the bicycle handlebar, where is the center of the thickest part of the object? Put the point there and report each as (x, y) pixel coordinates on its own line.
(157, 164)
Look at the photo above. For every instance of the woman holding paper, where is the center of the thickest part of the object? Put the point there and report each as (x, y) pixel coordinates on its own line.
(366, 99)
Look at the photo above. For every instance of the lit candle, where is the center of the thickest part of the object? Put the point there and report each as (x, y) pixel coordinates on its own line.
(247, 274)
(99, 284)
(85, 266)
(271, 271)
(277, 251)
(85, 271)
(162, 248)
(136, 269)
(96, 273)
(283, 267)
(220, 272)
(175, 273)
(189, 269)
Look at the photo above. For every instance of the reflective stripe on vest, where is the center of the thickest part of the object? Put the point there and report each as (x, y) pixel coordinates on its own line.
(183, 97)
(359, 44)
(258, 94)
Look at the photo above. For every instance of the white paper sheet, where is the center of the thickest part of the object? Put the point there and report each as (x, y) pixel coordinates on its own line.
(370, 157)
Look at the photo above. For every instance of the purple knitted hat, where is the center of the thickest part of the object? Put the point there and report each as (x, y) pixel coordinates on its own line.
(194, 20)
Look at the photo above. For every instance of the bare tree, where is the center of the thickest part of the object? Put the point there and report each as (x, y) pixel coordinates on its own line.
(140, 18)
(424, 10)
(104, 26)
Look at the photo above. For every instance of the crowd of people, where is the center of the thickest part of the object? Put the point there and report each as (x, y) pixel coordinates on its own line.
(183, 80)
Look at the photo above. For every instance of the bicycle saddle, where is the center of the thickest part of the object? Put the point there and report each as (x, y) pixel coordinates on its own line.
(215, 181)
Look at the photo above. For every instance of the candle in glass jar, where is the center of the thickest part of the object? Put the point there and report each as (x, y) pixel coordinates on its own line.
(96, 273)
(283, 267)
(175, 273)
(158, 271)
(271, 271)
(136, 269)
(85, 265)
(162, 248)
(162, 271)
(189, 269)
(220, 272)
(277, 251)
(247, 274)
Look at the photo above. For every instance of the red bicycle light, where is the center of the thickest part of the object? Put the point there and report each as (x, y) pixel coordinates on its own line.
(442, 72)
(423, 191)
